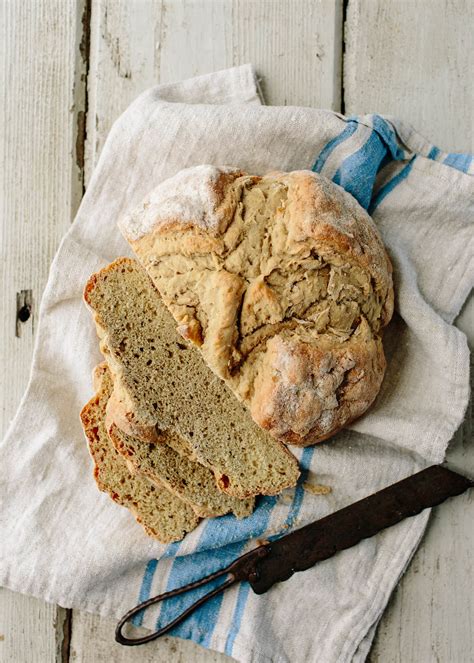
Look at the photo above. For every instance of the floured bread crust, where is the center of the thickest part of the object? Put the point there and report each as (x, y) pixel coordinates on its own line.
(284, 284)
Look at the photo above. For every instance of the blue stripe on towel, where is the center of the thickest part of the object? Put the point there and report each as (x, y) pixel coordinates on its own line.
(244, 589)
(145, 589)
(200, 625)
(350, 128)
(389, 137)
(357, 173)
(305, 464)
(147, 581)
(387, 159)
(390, 186)
(433, 153)
(459, 161)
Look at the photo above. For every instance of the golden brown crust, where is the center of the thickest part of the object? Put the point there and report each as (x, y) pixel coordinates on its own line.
(286, 294)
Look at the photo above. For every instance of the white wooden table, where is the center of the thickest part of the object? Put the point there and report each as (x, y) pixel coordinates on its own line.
(68, 68)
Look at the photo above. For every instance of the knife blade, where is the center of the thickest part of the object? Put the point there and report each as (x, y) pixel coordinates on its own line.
(277, 561)
(345, 528)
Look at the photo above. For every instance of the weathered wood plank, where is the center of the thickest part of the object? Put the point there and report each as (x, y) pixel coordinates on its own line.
(93, 642)
(295, 45)
(42, 179)
(42, 88)
(31, 631)
(412, 59)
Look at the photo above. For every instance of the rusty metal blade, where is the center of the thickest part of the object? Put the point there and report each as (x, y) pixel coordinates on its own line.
(345, 528)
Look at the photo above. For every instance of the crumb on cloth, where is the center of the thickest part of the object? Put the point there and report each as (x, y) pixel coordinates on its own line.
(287, 496)
(261, 542)
(316, 488)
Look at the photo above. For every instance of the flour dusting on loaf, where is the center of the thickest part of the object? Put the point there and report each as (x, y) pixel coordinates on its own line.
(191, 196)
(283, 283)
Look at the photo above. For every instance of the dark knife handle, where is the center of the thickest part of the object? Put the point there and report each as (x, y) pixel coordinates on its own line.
(242, 568)
(345, 528)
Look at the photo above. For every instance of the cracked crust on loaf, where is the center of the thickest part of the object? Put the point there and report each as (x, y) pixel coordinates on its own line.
(283, 283)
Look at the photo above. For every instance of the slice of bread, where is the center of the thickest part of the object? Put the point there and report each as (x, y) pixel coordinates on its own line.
(189, 480)
(163, 515)
(167, 459)
(162, 381)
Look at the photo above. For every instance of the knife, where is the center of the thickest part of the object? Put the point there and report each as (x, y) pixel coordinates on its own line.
(275, 562)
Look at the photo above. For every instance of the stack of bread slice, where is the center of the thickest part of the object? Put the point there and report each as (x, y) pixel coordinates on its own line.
(169, 440)
(162, 514)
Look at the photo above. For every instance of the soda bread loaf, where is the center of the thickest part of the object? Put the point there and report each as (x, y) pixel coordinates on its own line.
(163, 515)
(283, 283)
(162, 382)
(189, 480)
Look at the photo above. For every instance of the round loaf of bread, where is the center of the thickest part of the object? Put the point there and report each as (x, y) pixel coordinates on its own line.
(284, 284)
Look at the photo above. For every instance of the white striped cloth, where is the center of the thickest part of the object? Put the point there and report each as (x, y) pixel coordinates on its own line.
(64, 542)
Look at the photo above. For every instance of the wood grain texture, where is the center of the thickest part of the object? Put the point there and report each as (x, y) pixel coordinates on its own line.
(295, 45)
(93, 642)
(42, 87)
(413, 59)
(31, 631)
(41, 182)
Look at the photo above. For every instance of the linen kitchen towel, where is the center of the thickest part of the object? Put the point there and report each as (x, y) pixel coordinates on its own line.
(63, 541)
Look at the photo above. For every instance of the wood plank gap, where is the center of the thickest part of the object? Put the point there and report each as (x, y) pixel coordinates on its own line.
(43, 87)
(64, 629)
(63, 625)
(410, 59)
(345, 4)
(84, 51)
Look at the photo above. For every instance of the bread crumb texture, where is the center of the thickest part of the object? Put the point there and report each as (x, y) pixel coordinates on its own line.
(163, 515)
(163, 390)
(189, 480)
(283, 283)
